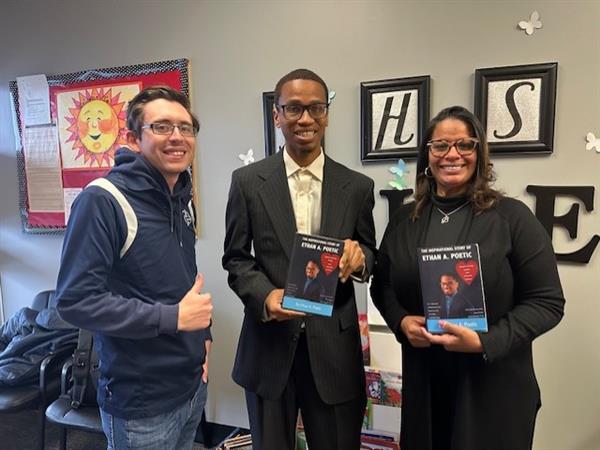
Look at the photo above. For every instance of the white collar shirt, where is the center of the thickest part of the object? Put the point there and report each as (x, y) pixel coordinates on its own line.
(306, 184)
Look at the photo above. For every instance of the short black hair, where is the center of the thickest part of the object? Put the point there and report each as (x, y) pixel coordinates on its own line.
(300, 74)
(314, 261)
(451, 275)
(135, 108)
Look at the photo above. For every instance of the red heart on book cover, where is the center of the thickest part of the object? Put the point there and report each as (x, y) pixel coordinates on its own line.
(467, 270)
(329, 262)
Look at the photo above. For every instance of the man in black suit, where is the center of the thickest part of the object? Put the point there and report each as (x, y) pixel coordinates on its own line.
(288, 361)
(311, 287)
(452, 304)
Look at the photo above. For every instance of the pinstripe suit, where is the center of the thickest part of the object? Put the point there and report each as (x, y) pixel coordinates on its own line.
(260, 216)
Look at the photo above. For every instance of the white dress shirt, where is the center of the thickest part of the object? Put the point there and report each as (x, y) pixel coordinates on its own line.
(306, 184)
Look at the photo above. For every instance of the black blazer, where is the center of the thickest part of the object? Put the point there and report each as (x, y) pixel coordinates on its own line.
(260, 229)
(458, 307)
(313, 291)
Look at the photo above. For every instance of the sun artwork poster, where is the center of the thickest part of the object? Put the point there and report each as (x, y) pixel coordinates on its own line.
(92, 124)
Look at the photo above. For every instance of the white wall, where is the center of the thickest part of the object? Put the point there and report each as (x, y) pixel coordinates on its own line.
(240, 49)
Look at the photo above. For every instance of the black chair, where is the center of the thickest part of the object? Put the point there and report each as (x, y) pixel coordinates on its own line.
(37, 396)
(62, 412)
(86, 416)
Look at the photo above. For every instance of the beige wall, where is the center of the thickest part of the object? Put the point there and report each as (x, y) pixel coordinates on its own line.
(240, 49)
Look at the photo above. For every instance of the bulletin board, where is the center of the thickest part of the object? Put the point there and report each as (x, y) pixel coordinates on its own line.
(88, 111)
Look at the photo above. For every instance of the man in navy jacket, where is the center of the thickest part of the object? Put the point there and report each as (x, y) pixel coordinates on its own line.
(128, 274)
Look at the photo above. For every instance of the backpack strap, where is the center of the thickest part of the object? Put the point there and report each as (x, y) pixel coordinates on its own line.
(130, 217)
(81, 367)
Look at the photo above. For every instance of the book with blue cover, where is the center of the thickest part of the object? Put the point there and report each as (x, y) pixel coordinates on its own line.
(313, 274)
(452, 287)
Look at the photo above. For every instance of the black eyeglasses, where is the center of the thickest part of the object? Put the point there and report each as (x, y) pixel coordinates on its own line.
(440, 148)
(295, 111)
(167, 128)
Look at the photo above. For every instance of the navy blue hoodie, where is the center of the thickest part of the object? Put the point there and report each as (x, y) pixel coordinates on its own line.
(130, 302)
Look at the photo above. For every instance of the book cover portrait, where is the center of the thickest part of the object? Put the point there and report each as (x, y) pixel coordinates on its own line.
(313, 274)
(452, 287)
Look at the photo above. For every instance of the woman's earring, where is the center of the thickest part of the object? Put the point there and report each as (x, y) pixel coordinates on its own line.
(427, 172)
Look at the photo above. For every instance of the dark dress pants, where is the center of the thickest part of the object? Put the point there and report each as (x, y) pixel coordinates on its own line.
(327, 427)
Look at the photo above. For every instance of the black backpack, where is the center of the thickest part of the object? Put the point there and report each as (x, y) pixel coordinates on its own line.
(85, 372)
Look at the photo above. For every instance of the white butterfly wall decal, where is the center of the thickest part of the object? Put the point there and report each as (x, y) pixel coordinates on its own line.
(592, 142)
(534, 23)
(247, 158)
(331, 96)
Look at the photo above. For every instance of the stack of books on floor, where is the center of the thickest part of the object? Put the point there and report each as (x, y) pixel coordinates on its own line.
(379, 440)
(241, 441)
(301, 443)
(381, 423)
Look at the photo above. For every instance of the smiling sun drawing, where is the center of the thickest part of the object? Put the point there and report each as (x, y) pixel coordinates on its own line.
(96, 126)
(91, 124)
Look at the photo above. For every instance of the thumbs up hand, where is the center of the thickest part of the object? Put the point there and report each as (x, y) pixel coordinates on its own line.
(195, 308)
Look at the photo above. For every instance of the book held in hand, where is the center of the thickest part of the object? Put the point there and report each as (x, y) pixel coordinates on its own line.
(313, 274)
(452, 287)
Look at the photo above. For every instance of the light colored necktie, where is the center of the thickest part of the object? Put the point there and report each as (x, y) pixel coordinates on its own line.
(303, 212)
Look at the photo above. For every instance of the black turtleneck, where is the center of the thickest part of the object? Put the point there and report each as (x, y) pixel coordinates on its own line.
(442, 234)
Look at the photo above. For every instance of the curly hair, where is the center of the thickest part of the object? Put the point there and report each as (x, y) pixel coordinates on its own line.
(479, 190)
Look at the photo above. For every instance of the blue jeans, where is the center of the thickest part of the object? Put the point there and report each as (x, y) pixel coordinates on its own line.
(173, 430)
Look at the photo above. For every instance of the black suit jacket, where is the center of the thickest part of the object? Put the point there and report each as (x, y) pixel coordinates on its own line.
(313, 291)
(458, 307)
(260, 229)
